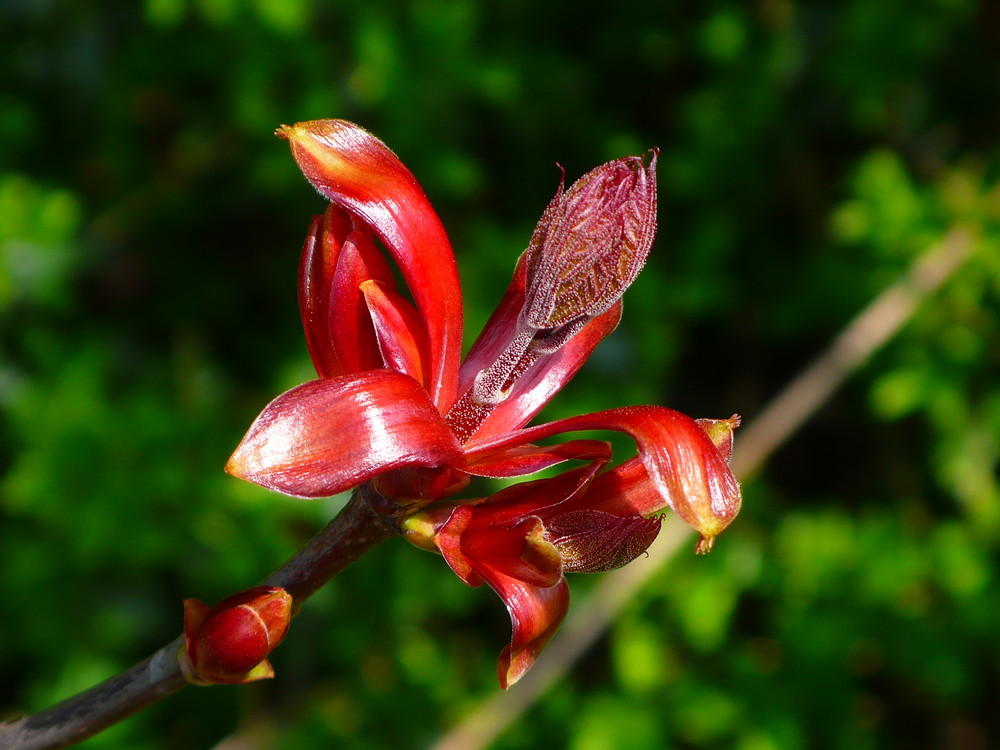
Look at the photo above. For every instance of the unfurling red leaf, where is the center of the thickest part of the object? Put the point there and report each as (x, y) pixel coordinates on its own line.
(591, 243)
(592, 541)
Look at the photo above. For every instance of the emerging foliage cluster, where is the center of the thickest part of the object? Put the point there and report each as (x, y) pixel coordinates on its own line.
(149, 230)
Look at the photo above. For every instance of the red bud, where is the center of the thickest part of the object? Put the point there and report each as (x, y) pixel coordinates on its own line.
(591, 243)
(229, 643)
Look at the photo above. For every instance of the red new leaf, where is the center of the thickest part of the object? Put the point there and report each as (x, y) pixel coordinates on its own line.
(329, 435)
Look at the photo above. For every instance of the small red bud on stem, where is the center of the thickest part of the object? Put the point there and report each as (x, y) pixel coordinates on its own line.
(228, 644)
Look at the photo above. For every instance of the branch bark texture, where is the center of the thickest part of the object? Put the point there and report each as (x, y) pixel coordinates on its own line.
(355, 530)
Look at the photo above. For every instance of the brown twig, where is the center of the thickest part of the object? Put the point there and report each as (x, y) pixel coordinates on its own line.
(777, 422)
(852, 347)
(355, 530)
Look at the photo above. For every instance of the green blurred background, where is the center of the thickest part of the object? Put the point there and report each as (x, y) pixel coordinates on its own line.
(149, 232)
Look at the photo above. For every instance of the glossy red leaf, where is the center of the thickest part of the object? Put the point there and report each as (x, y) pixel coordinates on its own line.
(519, 550)
(529, 459)
(448, 540)
(535, 615)
(323, 243)
(401, 337)
(349, 320)
(541, 497)
(329, 435)
(338, 257)
(499, 331)
(687, 469)
(624, 489)
(355, 170)
(546, 377)
(543, 379)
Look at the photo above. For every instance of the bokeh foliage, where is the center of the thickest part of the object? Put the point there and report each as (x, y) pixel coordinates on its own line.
(149, 230)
